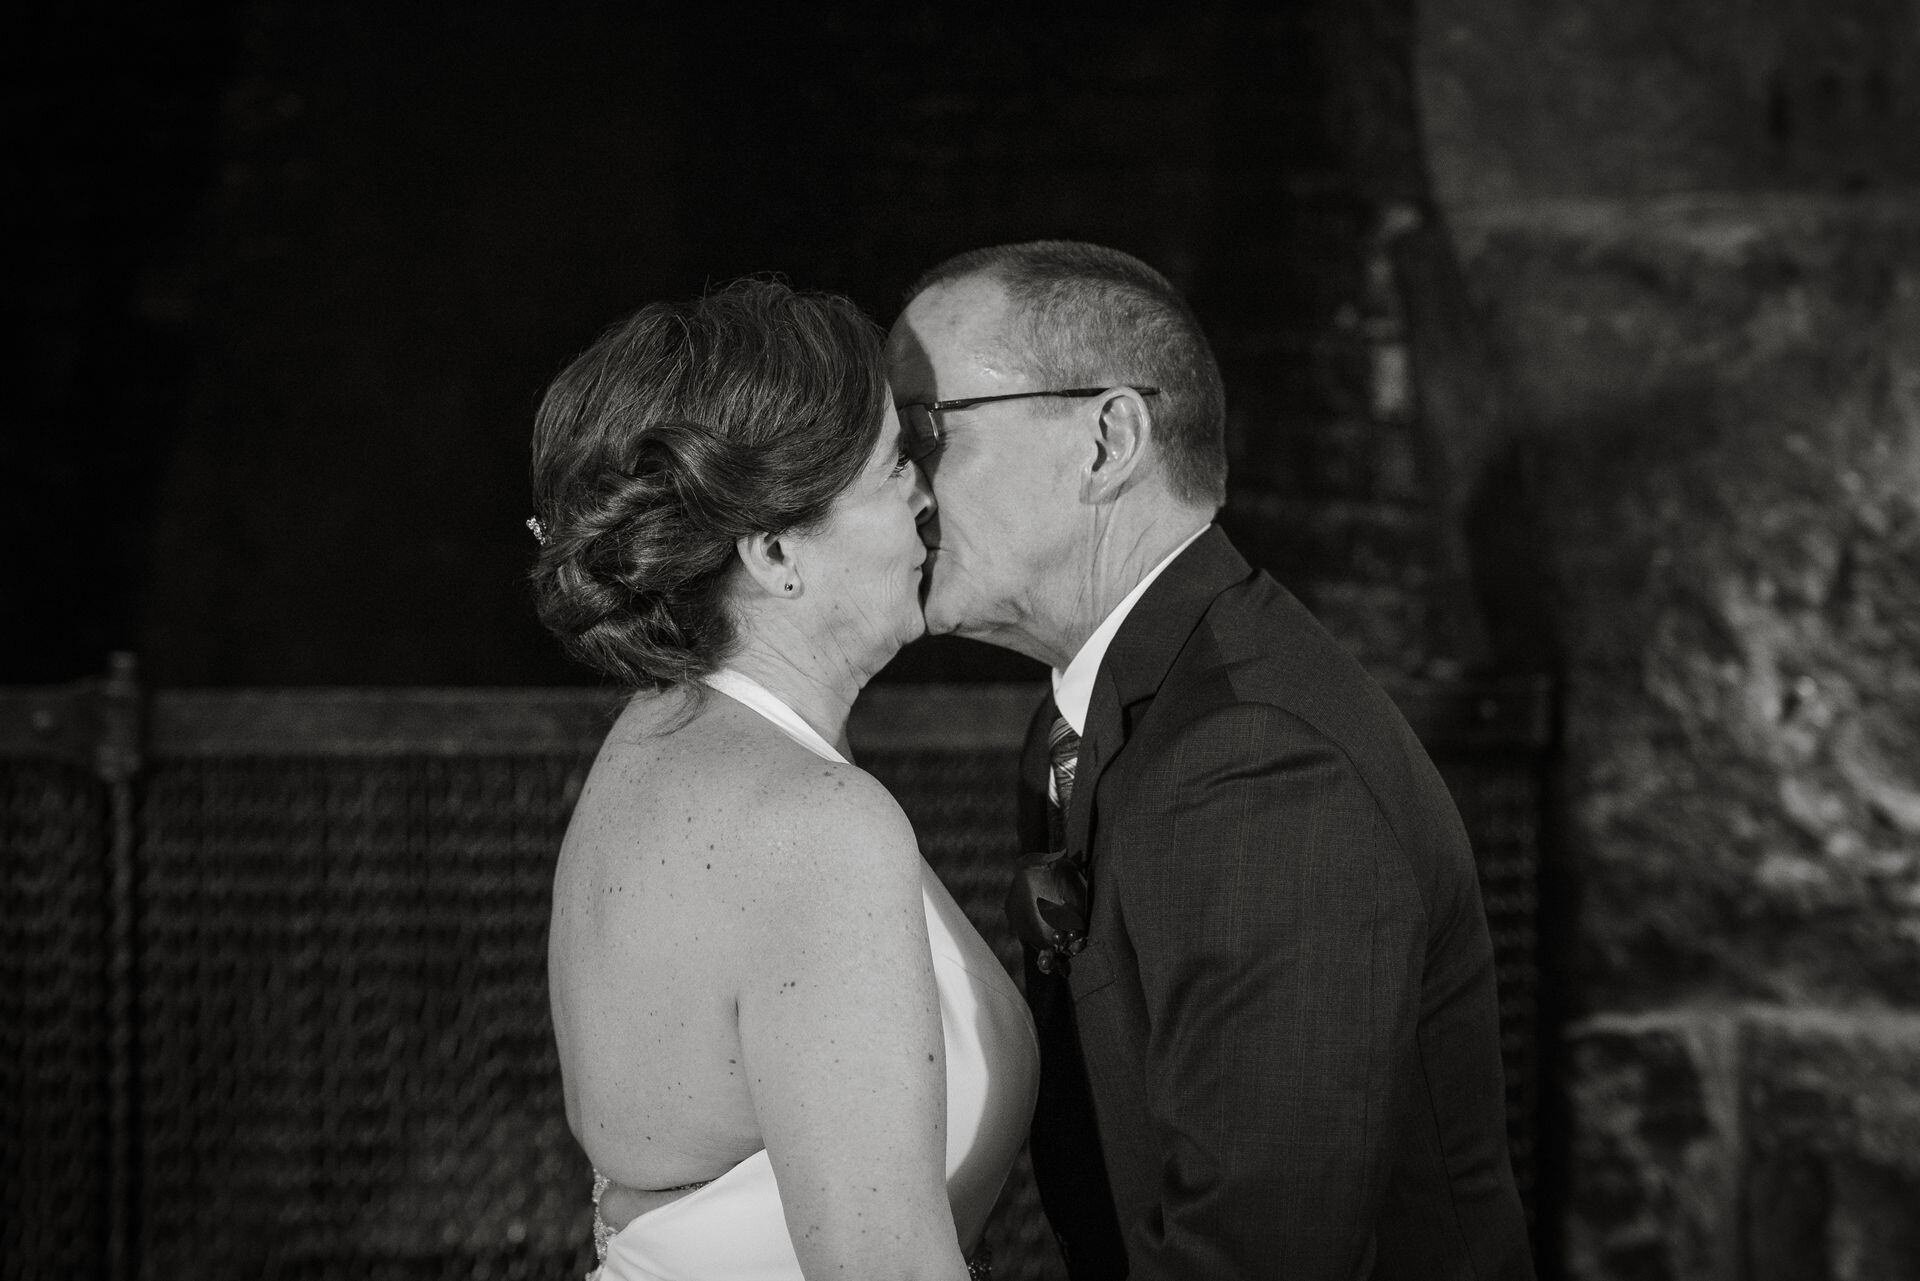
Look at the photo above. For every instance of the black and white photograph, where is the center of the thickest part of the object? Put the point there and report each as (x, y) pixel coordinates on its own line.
(933, 642)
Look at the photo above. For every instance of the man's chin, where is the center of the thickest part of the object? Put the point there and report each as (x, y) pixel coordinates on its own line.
(953, 612)
(939, 625)
(935, 610)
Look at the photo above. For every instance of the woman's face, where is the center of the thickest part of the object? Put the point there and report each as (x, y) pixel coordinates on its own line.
(863, 566)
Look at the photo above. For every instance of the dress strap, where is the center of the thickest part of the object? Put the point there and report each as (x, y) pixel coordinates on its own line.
(745, 690)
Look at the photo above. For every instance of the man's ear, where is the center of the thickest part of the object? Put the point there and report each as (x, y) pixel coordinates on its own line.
(1123, 429)
(769, 564)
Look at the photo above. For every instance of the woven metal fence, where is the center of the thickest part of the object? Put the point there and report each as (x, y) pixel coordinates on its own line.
(272, 969)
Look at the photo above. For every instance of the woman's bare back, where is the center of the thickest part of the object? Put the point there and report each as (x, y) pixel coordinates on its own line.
(655, 899)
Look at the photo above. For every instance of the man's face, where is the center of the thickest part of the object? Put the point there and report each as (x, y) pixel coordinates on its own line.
(1005, 479)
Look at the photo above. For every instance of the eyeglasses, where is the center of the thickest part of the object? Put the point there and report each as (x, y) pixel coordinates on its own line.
(922, 432)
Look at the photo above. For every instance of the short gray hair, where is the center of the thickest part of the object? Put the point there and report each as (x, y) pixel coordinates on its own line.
(1084, 313)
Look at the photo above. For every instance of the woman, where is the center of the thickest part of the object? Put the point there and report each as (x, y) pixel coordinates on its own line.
(783, 1048)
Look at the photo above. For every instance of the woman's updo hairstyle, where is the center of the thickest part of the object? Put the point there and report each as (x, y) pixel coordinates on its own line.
(681, 430)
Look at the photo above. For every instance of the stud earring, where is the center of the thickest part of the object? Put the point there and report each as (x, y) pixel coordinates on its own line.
(787, 588)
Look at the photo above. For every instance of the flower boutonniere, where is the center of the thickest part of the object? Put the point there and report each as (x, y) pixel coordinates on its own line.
(1047, 908)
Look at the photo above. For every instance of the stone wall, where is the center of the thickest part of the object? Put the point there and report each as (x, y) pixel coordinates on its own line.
(1693, 237)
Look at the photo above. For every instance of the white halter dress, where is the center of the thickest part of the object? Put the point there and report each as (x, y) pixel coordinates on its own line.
(734, 1228)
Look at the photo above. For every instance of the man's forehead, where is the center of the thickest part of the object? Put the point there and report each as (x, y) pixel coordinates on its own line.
(948, 325)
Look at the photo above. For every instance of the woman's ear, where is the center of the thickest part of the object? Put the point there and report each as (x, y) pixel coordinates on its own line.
(769, 564)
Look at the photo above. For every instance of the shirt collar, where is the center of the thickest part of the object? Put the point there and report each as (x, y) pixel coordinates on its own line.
(1073, 688)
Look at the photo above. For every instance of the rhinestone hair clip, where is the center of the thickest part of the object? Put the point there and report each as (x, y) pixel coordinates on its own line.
(539, 530)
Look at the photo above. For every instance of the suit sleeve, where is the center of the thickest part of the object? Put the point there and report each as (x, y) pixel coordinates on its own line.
(1280, 938)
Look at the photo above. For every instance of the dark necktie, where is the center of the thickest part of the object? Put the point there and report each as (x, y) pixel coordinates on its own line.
(1063, 747)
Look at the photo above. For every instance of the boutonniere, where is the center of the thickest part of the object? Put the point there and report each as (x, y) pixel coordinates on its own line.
(1047, 908)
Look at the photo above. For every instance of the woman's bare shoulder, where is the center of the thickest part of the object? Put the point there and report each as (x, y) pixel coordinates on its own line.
(752, 788)
(826, 817)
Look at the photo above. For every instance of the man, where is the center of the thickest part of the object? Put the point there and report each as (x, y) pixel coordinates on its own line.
(1277, 1053)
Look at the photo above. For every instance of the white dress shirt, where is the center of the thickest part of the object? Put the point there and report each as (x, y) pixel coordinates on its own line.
(1073, 688)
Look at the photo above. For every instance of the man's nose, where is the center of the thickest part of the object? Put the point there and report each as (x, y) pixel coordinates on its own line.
(924, 502)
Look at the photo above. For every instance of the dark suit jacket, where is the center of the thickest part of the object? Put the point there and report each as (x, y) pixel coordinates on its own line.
(1279, 1054)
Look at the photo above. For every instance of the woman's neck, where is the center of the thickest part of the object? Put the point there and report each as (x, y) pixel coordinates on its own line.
(819, 689)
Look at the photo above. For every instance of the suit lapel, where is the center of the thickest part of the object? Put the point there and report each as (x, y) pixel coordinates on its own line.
(1137, 661)
(1096, 746)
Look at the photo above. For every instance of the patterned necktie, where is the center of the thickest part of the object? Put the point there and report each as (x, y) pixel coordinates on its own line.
(1063, 747)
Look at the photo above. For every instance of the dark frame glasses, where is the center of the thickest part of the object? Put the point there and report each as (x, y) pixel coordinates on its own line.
(922, 432)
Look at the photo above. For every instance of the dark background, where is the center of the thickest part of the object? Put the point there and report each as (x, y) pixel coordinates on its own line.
(295, 275)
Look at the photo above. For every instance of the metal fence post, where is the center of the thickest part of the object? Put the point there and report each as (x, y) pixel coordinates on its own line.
(117, 761)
